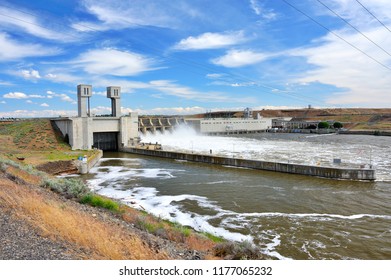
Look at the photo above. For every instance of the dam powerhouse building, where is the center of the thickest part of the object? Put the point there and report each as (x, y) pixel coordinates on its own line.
(246, 124)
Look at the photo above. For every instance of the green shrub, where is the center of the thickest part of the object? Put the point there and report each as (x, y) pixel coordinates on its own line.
(214, 238)
(337, 125)
(98, 201)
(183, 230)
(71, 188)
(143, 224)
(323, 125)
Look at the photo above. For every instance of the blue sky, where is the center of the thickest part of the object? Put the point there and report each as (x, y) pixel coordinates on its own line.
(184, 57)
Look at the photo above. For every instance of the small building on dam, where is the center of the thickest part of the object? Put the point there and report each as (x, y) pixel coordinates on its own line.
(105, 133)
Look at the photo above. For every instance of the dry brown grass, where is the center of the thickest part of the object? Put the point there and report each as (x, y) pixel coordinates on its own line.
(199, 243)
(58, 220)
(23, 175)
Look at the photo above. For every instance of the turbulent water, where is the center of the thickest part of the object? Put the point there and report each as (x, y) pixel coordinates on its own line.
(288, 216)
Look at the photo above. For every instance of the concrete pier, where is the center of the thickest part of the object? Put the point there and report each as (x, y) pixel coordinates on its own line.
(86, 164)
(364, 174)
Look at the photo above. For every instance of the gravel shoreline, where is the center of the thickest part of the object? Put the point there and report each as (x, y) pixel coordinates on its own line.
(20, 241)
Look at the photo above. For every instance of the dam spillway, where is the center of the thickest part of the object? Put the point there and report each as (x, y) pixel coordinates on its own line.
(338, 173)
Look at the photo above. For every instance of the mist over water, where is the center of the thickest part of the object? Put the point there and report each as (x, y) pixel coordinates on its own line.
(288, 216)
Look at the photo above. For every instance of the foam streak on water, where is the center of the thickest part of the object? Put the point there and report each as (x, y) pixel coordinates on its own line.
(107, 182)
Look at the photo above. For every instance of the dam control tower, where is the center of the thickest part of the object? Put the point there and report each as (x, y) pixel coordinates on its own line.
(84, 92)
(114, 93)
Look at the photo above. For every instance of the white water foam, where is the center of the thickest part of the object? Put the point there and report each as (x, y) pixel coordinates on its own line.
(298, 150)
(163, 206)
(108, 181)
(317, 215)
(148, 199)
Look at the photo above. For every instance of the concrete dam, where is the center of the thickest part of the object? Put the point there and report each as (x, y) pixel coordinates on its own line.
(121, 133)
(364, 174)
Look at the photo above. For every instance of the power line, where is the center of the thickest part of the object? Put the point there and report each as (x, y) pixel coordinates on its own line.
(34, 24)
(365, 8)
(348, 23)
(338, 36)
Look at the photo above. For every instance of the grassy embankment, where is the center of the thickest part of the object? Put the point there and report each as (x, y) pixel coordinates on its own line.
(36, 141)
(24, 191)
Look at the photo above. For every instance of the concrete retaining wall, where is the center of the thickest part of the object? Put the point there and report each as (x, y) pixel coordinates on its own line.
(319, 171)
(85, 166)
(367, 132)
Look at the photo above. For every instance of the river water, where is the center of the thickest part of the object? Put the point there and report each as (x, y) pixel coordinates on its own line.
(287, 216)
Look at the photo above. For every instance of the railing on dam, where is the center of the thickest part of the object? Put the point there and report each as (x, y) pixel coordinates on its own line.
(364, 174)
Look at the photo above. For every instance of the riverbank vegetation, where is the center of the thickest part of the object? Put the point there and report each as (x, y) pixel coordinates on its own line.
(54, 206)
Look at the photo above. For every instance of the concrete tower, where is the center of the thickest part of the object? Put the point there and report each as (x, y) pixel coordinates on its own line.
(114, 93)
(84, 92)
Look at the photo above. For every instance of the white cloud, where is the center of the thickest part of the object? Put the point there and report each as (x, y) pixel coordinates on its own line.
(62, 96)
(21, 95)
(50, 76)
(29, 102)
(15, 95)
(215, 75)
(166, 111)
(101, 110)
(100, 93)
(3, 102)
(353, 12)
(173, 89)
(30, 74)
(38, 113)
(35, 96)
(211, 41)
(14, 50)
(362, 81)
(247, 84)
(31, 24)
(2, 83)
(113, 62)
(66, 98)
(44, 105)
(239, 58)
(63, 75)
(125, 14)
(259, 10)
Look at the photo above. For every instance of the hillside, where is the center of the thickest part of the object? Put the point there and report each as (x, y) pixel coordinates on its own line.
(352, 118)
(35, 142)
